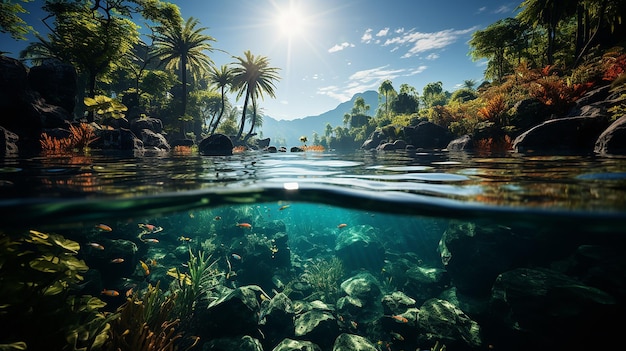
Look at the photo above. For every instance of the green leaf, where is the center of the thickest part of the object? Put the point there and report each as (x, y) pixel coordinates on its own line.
(43, 265)
(67, 244)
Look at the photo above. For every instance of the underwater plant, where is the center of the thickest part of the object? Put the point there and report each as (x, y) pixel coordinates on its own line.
(38, 273)
(325, 276)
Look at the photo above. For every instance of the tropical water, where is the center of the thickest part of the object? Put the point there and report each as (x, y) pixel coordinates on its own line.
(315, 250)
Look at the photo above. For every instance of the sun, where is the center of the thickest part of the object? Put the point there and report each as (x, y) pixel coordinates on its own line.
(291, 21)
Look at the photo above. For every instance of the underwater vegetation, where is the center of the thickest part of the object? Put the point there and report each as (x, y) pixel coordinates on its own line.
(325, 276)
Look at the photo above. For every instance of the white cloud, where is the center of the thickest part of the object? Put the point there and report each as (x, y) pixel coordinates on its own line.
(432, 56)
(367, 36)
(399, 30)
(503, 9)
(419, 42)
(369, 79)
(382, 32)
(339, 47)
(482, 9)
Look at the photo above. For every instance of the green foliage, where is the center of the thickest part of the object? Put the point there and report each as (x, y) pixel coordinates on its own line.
(324, 276)
(201, 278)
(10, 21)
(105, 107)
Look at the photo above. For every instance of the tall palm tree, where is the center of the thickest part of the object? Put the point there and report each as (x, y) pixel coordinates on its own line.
(222, 78)
(253, 77)
(182, 47)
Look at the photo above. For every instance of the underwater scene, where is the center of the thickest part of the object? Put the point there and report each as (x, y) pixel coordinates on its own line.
(312, 252)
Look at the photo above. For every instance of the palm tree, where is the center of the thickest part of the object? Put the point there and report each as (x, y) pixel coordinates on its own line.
(253, 76)
(221, 78)
(182, 47)
(386, 89)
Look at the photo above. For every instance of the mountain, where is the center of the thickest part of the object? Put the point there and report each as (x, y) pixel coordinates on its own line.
(288, 133)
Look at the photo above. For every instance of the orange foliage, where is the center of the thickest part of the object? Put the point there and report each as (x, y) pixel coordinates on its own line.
(182, 150)
(491, 145)
(556, 93)
(615, 66)
(80, 137)
(494, 109)
(239, 149)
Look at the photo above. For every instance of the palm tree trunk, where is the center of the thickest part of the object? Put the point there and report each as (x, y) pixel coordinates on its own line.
(183, 77)
(219, 118)
(253, 118)
(243, 115)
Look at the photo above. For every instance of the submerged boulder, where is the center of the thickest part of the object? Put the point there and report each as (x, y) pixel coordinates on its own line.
(440, 320)
(317, 326)
(359, 247)
(296, 345)
(351, 342)
(233, 314)
(216, 145)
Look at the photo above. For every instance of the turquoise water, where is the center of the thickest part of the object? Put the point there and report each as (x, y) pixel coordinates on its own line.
(405, 250)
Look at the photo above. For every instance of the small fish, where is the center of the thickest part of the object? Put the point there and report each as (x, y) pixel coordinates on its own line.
(145, 268)
(283, 207)
(217, 218)
(104, 227)
(354, 324)
(397, 336)
(110, 292)
(150, 228)
(117, 260)
(183, 238)
(150, 240)
(235, 256)
(244, 225)
(129, 292)
(399, 319)
(342, 225)
(151, 262)
(96, 246)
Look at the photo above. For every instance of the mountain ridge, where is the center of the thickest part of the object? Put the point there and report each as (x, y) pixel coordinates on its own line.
(288, 132)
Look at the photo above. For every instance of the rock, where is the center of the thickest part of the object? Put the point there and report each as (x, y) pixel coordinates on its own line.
(427, 135)
(528, 113)
(271, 149)
(296, 345)
(549, 310)
(396, 303)
(464, 143)
(474, 255)
(181, 142)
(439, 320)
(569, 135)
(243, 343)
(385, 147)
(8, 142)
(296, 149)
(426, 282)
(358, 247)
(216, 145)
(399, 144)
(263, 143)
(351, 342)
(233, 314)
(153, 140)
(13, 84)
(319, 327)
(282, 149)
(118, 139)
(56, 82)
(277, 319)
(613, 140)
(589, 98)
(363, 286)
(153, 124)
(116, 123)
(374, 140)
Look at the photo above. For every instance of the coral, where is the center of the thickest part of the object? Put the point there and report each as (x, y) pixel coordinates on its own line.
(324, 276)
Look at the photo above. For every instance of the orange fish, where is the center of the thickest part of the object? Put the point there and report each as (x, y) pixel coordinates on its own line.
(149, 227)
(342, 225)
(117, 260)
(96, 246)
(110, 292)
(104, 227)
(400, 319)
(235, 256)
(244, 225)
(150, 240)
(145, 267)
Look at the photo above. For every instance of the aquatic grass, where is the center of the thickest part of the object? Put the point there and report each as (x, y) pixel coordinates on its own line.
(202, 278)
(324, 276)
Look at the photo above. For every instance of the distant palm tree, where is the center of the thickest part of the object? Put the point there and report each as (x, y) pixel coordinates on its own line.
(253, 76)
(469, 84)
(182, 47)
(222, 78)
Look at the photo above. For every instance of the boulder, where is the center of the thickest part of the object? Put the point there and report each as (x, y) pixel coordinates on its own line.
(358, 247)
(568, 135)
(363, 286)
(216, 145)
(463, 143)
(613, 140)
(233, 314)
(56, 82)
(263, 143)
(153, 140)
(116, 123)
(528, 113)
(351, 342)
(181, 142)
(374, 140)
(423, 283)
(296, 345)
(386, 147)
(319, 327)
(8, 142)
(296, 149)
(440, 320)
(426, 135)
(117, 139)
(542, 308)
(396, 303)
(153, 124)
(277, 319)
(13, 84)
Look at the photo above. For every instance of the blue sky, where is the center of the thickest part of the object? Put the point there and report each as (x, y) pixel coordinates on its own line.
(328, 50)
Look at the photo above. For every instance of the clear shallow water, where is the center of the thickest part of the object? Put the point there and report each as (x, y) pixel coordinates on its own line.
(546, 230)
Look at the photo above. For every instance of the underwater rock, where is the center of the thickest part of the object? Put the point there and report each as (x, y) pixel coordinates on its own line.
(358, 247)
(56, 82)
(541, 307)
(8, 142)
(243, 343)
(440, 320)
(351, 342)
(363, 286)
(475, 254)
(397, 302)
(319, 327)
(296, 345)
(349, 306)
(613, 140)
(216, 145)
(277, 319)
(233, 314)
(423, 283)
